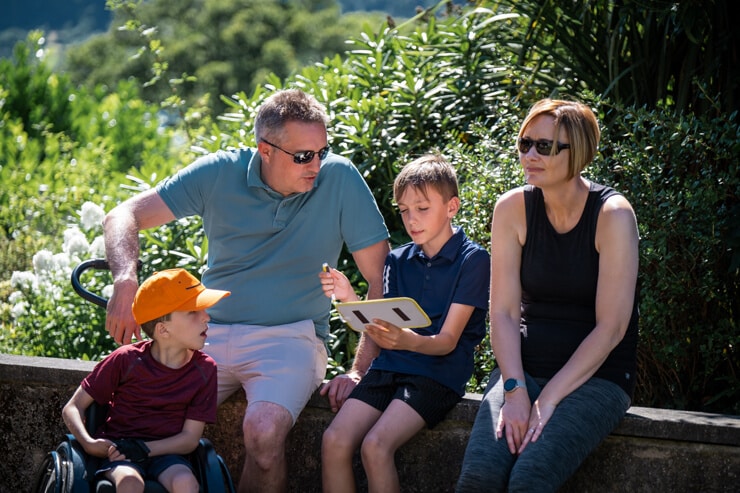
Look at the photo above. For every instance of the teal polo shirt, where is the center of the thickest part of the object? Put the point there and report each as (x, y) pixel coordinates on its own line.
(268, 249)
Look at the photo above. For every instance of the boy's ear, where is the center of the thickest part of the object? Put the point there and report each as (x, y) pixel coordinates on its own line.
(161, 329)
(453, 206)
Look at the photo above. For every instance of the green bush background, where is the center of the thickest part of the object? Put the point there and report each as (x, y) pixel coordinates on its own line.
(456, 83)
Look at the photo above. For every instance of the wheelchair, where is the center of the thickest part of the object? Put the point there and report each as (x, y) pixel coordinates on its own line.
(68, 468)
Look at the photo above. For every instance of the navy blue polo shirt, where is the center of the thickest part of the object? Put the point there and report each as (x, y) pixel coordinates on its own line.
(459, 273)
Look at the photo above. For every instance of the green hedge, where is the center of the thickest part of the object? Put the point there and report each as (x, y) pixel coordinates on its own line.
(452, 87)
(682, 174)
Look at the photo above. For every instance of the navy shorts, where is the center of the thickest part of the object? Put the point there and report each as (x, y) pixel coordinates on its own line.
(150, 468)
(430, 399)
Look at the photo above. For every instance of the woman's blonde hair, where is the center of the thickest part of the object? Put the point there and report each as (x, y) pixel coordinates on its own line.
(579, 123)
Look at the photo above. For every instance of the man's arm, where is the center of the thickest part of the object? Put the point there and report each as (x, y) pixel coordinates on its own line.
(370, 262)
(121, 231)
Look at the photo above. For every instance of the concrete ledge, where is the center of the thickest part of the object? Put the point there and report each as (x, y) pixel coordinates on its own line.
(653, 450)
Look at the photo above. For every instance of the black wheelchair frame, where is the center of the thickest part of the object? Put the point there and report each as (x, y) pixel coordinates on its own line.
(68, 468)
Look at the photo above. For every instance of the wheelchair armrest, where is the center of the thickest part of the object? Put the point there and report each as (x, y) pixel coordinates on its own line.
(210, 469)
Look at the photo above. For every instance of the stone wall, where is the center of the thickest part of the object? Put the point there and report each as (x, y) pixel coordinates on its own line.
(653, 450)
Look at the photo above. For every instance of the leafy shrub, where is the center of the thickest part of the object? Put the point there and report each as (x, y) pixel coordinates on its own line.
(48, 318)
(682, 175)
(53, 162)
(451, 87)
(390, 103)
(72, 145)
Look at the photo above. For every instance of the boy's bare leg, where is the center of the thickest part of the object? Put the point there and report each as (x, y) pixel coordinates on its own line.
(397, 425)
(340, 440)
(179, 478)
(126, 479)
(266, 427)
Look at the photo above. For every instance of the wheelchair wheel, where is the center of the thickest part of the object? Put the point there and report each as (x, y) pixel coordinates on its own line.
(62, 471)
(48, 477)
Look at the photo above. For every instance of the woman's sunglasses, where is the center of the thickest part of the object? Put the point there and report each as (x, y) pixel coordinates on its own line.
(302, 157)
(542, 146)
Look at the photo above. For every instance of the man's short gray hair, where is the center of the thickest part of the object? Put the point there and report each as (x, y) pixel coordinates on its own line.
(284, 106)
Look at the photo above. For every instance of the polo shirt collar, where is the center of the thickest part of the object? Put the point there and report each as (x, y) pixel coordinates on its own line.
(449, 251)
(254, 172)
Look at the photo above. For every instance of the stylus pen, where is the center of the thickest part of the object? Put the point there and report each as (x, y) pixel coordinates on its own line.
(333, 296)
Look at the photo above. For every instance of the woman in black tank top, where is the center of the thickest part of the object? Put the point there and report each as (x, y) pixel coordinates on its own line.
(564, 260)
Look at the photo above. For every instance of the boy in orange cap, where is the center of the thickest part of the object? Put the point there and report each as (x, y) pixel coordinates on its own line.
(161, 391)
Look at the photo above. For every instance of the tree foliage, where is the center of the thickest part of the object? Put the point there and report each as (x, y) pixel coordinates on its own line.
(646, 52)
(461, 84)
(218, 47)
(451, 86)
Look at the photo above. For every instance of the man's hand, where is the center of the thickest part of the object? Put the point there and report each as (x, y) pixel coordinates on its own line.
(133, 449)
(119, 319)
(339, 388)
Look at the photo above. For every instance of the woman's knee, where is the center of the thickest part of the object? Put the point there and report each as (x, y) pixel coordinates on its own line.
(481, 474)
(539, 478)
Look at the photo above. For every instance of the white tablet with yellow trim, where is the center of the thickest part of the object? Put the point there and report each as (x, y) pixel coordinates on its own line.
(401, 312)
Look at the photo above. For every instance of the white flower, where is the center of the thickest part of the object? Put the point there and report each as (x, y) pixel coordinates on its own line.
(43, 262)
(91, 215)
(75, 242)
(97, 248)
(62, 266)
(54, 291)
(107, 291)
(15, 297)
(19, 309)
(23, 280)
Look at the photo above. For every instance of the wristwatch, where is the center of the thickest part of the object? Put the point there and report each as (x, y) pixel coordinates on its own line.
(512, 384)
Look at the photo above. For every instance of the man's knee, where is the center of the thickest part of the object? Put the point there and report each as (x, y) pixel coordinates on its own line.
(266, 427)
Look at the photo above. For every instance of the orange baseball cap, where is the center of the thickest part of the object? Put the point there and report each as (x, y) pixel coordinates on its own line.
(172, 290)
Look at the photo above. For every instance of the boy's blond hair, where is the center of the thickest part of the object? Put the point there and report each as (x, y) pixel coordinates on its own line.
(429, 170)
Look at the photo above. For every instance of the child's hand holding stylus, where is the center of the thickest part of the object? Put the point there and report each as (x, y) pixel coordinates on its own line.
(336, 285)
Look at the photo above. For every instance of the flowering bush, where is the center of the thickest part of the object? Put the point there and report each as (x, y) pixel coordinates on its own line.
(47, 317)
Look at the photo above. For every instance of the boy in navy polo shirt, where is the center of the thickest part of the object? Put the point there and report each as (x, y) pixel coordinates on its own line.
(419, 374)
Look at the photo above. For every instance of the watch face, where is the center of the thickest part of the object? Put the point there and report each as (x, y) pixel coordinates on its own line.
(512, 384)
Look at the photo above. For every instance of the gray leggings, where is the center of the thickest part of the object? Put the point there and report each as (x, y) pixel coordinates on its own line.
(580, 422)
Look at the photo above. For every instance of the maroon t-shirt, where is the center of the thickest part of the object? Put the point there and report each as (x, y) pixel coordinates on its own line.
(147, 399)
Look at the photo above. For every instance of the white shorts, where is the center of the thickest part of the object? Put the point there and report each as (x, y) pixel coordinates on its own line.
(282, 364)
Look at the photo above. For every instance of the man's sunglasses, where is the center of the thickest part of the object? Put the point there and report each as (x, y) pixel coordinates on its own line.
(302, 157)
(542, 146)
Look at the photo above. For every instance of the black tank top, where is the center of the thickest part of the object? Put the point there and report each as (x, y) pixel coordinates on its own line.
(559, 274)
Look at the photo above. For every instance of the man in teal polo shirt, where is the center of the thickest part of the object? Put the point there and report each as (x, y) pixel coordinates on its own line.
(273, 215)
